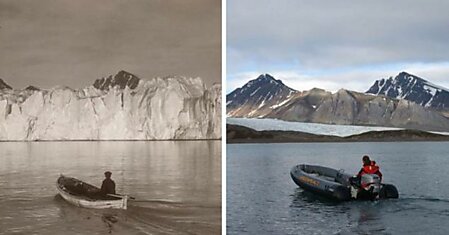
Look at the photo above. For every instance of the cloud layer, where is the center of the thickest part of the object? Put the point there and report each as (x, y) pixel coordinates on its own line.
(333, 42)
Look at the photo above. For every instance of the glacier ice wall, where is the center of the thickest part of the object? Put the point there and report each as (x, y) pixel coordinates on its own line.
(155, 109)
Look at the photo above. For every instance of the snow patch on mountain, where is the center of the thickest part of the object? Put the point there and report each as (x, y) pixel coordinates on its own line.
(412, 88)
(258, 96)
(280, 104)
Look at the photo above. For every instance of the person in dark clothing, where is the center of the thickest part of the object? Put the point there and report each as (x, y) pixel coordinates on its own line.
(108, 185)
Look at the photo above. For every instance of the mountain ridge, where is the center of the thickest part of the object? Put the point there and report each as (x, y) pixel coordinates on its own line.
(122, 79)
(259, 94)
(342, 107)
(3, 85)
(413, 88)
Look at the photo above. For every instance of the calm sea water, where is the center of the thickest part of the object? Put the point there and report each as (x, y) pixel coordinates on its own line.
(262, 198)
(177, 186)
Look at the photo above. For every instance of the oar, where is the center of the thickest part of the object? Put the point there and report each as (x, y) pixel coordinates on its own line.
(134, 199)
(121, 196)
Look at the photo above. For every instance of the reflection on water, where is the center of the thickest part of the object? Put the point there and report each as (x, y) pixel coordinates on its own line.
(362, 217)
(177, 186)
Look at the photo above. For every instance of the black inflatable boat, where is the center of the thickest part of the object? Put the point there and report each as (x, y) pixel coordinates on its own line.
(336, 184)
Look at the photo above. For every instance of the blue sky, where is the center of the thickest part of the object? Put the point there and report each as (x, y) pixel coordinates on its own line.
(336, 44)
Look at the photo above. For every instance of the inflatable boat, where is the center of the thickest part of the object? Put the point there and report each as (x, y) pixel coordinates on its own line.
(337, 185)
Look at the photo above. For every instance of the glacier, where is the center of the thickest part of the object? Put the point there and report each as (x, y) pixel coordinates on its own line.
(120, 107)
(269, 124)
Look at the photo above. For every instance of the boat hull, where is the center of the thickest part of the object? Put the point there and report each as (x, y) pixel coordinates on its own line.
(107, 202)
(333, 190)
(332, 183)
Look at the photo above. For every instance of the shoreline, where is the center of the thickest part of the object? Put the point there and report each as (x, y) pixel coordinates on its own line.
(237, 134)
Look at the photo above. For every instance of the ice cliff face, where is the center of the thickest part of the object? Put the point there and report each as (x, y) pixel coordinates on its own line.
(120, 107)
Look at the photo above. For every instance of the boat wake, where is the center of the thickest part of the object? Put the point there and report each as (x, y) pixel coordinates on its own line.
(405, 203)
(145, 217)
(425, 198)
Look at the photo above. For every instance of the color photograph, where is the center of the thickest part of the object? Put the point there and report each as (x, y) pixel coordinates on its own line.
(110, 117)
(337, 117)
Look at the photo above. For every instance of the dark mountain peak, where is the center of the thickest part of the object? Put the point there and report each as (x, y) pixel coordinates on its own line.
(261, 92)
(124, 74)
(261, 80)
(265, 77)
(407, 77)
(413, 88)
(3, 85)
(122, 79)
(32, 88)
(263, 83)
(266, 80)
(404, 73)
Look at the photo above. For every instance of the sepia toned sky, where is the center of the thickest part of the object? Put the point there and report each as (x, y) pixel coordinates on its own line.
(64, 42)
(336, 44)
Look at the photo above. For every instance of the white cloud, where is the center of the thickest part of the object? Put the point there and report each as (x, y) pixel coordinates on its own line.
(357, 79)
(316, 43)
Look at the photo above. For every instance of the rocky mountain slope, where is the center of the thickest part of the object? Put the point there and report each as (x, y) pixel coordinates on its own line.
(258, 96)
(343, 107)
(413, 88)
(3, 85)
(120, 107)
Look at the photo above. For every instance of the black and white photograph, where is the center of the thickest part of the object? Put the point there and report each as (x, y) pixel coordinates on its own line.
(110, 117)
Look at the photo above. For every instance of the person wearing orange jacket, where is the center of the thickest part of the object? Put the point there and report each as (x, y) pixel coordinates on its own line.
(369, 167)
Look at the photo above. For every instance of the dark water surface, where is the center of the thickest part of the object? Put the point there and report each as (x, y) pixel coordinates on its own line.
(177, 185)
(262, 198)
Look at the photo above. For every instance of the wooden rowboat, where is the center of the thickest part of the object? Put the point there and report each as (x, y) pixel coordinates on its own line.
(85, 195)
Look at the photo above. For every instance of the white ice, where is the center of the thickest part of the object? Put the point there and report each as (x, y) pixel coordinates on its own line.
(158, 109)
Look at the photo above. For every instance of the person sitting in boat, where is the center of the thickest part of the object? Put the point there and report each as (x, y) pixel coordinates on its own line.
(108, 185)
(369, 167)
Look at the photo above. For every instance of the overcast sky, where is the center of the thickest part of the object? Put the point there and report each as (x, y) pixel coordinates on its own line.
(336, 44)
(66, 42)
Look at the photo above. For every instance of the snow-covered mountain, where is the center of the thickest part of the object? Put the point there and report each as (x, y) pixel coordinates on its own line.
(343, 107)
(413, 88)
(120, 107)
(257, 97)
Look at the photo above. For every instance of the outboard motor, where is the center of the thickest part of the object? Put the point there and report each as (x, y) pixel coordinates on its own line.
(371, 184)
